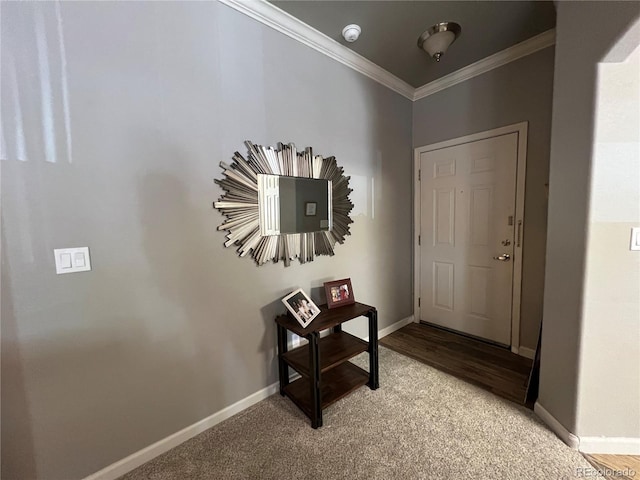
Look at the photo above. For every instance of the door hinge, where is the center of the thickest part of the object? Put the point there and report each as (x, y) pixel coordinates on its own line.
(418, 301)
(419, 175)
(419, 240)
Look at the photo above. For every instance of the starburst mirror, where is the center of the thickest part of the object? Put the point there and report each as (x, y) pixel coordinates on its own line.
(282, 204)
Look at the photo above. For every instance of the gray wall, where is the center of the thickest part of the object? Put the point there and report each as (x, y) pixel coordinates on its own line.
(519, 91)
(112, 142)
(589, 379)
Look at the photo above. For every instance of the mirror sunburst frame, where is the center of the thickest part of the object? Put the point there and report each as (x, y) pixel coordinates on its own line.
(239, 203)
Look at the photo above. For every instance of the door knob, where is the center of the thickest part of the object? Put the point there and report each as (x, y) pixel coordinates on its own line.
(503, 258)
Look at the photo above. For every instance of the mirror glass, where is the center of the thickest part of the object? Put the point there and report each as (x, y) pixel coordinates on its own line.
(293, 204)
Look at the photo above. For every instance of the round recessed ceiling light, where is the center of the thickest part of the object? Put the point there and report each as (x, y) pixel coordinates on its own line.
(351, 32)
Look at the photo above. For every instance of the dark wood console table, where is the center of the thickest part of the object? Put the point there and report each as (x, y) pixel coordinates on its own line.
(326, 373)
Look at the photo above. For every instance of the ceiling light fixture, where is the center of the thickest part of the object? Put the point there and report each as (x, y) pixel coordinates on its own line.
(351, 32)
(437, 38)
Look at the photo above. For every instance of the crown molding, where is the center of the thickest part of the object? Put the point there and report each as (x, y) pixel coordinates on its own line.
(519, 50)
(279, 20)
(272, 16)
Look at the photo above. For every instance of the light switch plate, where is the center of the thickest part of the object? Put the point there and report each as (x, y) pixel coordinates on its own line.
(635, 238)
(72, 260)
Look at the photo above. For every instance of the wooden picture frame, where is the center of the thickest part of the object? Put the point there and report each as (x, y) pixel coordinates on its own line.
(301, 307)
(339, 293)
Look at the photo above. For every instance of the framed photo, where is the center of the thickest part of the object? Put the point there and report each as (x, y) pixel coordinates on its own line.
(339, 293)
(310, 209)
(301, 307)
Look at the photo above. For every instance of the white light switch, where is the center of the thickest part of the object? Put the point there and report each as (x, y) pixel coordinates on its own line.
(65, 260)
(635, 238)
(70, 260)
(79, 259)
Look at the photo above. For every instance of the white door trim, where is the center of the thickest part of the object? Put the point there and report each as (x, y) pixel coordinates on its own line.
(521, 129)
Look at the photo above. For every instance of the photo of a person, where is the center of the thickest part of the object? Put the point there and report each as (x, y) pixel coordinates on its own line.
(344, 292)
(301, 306)
(305, 309)
(335, 294)
(340, 293)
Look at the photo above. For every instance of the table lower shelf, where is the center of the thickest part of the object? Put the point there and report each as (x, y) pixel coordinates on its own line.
(334, 384)
(334, 350)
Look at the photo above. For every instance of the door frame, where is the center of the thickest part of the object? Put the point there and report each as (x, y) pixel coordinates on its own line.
(521, 168)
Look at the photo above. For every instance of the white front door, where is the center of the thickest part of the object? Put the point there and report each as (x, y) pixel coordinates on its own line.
(467, 212)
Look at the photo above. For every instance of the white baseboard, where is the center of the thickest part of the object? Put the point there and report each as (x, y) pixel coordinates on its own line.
(141, 457)
(602, 445)
(133, 461)
(396, 326)
(527, 352)
(610, 445)
(565, 435)
(392, 328)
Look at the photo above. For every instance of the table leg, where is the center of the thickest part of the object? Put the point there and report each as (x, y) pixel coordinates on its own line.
(283, 369)
(373, 349)
(314, 380)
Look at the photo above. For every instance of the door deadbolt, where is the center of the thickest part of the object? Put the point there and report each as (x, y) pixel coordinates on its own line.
(506, 243)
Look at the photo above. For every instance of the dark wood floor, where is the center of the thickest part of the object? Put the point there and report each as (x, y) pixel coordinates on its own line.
(490, 367)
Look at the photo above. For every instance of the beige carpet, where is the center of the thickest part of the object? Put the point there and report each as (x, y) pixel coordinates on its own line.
(420, 424)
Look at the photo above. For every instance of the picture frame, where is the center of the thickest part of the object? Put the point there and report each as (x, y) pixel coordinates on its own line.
(339, 293)
(310, 209)
(301, 307)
